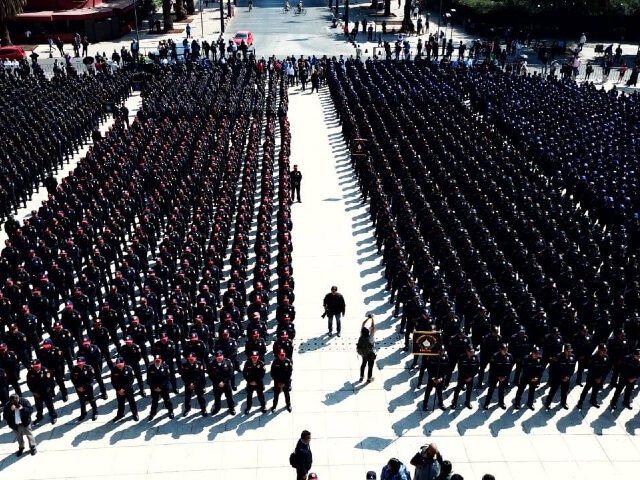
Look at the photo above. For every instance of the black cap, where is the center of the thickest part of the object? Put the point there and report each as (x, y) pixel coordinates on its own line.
(219, 353)
(495, 329)
(555, 330)
(469, 348)
(602, 346)
(503, 346)
(636, 351)
(535, 349)
(567, 347)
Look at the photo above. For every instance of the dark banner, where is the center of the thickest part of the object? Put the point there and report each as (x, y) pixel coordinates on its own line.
(427, 343)
(359, 147)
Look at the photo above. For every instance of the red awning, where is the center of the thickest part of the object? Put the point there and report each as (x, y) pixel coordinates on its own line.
(44, 16)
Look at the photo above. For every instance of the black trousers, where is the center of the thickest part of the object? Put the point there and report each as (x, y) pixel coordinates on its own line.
(427, 393)
(128, 396)
(594, 387)
(87, 397)
(532, 391)
(553, 388)
(155, 399)
(217, 396)
(259, 389)
(502, 386)
(623, 384)
(199, 393)
(368, 362)
(42, 400)
(467, 393)
(276, 394)
(295, 189)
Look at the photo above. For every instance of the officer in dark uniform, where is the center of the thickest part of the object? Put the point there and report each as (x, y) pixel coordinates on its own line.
(457, 346)
(629, 373)
(11, 366)
(560, 373)
(229, 347)
(130, 351)
(82, 377)
(53, 359)
(40, 382)
(583, 344)
(281, 371)
(192, 372)
(221, 372)
(468, 366)
(599, 366)
(499, 371)
(253, 373)
(93, 356)
(122, 377)
(4, 388)
(437, 368)
(296, 179)
(532, 369)
(158, 375)
(64, 341)
(166, 349)
(520, 347)
(488, 348)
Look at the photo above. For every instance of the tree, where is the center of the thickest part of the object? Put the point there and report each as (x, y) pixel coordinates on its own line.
(167, 18)
(181, 14)
(9, 9)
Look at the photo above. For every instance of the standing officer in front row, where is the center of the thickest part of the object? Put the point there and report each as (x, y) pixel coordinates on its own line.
(560, 373)
(281, 371)
(122, 381)
(599, 366)
(192, 372)
(629, 373)
(499, 371)
(253, 373)
(468, 367)
(158, 375)
(437, 368)
(83, 377)
(221, 372)
(40, 382)
(532, 369)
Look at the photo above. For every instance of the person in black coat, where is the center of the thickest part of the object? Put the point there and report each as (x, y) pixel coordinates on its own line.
(560, 373)
(499, 371)
(334, 307)
(468, 366)
(19, 423)
(629, 373)
(221, 371)
(303, 455)
(532, 369)
(253, 373)
(281, 371)
(599, 366)
(158, 377)
(122, 377)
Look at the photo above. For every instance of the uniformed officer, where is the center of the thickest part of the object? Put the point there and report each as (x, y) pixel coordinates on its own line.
(229, 347)
(40, 382)
(158, 375)
(93, 356)
(629, 373)
(499, 371)
(122, 377)
(468, 366)
(132, 355)
(532, 369)
(599, 366)
(281, 371)
(221, 371)
(53, 359)
(167, 351)
(488, 348)
(253, 373)
(437, 368)
(560, 373)
(10, 364)
(82, 377)
(192, 372)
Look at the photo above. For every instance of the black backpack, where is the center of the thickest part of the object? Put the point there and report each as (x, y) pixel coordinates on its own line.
(293, 460)
(364, 347)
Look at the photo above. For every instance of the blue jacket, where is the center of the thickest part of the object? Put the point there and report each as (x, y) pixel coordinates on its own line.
(25, 414)
(403, 474)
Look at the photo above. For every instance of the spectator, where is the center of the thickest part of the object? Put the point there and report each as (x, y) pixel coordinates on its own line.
(394, 470)
(427, 462)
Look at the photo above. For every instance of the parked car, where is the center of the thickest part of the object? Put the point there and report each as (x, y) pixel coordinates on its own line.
(245, 35)
(12, 53)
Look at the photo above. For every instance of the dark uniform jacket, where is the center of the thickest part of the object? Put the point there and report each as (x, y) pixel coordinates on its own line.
(158, 376)
(281, 370)
(82, 376)
(501, 364)
(254, 373)
(532, 368)
(122, 379)
(562, 367)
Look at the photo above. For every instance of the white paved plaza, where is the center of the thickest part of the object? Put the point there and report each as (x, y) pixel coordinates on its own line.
(355, 427)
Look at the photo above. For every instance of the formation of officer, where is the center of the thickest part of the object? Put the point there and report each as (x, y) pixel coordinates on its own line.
(122, 264)
(525, 248)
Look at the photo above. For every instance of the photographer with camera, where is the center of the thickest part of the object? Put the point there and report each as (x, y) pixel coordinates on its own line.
(366, 347)
(17, 413)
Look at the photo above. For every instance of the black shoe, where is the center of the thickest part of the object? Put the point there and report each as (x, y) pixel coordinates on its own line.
(171, 415)
(273, 409)
(424, 407)
(516, 406)
(442, 407)
(453, 406)
(486, 407)
(54, 420)
(232, 411)
(595, 404)
(579, 406)
(117, 417)
(289, 408)
(104, 395)
(214, 411)
(468, 405)
(94, 415)
(33, 450)
(263, 409)
(20, 452)
(547, 406)
(361, 379)
(503, 406)
(82, 417)
(204, 413)
(136, 417)
(234, 388)
(186, 412)
(151, 416)
(175, 391)
(628, 406)
(246, 411)
(369, 380)
(37, 421)
(65, 397)
(613, 407)
(143, 393)
(565, 406)
(530, 405)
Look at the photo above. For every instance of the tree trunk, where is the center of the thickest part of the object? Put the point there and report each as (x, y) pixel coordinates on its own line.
(387, 8)
(167, 18)
(181, 14)
(190, 7)
(5, 38)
